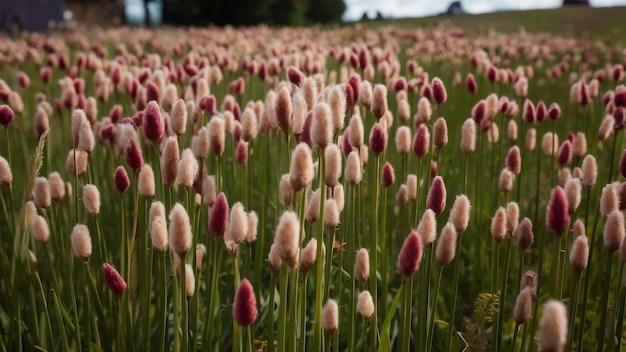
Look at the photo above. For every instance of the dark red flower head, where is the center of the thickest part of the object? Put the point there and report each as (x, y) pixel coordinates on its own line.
(244, 306)
(122, 182)
(218, 216)
(153, 124)
(557, 217)
(6, 115)
(410, 254)
(113, 279)
(378, 139)
(436, 200)
(389, 177)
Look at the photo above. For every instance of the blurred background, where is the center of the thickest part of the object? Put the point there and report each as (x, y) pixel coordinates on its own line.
(39, 15)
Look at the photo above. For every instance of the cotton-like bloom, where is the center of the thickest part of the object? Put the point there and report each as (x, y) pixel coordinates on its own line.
(531, 139)
(91, 199)
(362, 265)
(446, 246)
(365, 304)
(549, 143)
(378, 139)
(285, 190)
(41, 193)
(440, 133)
(614, 231)
(187, 169)
(178, 117)
(512, 217)
(153, 123)
(308, 255)
(76, 162)
(379, 101)
(421, 141)
(410, 254)
(39, 228)
(81, 242)
(514, 160)
(573, 194)
(356, 131)
(133, 155)
(311, 212)
(179, 230)
(208, 190)
(459, 214)
(286, 238)
(332, 169)
(353, 173)
(523, 306)
(403, 140)
(590, 171)
(217, 135)
(553, 327)
(506, 180)
(244, 306)
(237, 224)
(253, 223)
(158, 226)
(283, 109)
(427, 227)
(439, 91)
(468, 136)
(579, 255)
(321, 125)
(609, 200)
(146, 181)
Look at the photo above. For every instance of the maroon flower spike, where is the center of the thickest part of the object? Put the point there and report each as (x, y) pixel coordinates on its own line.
(584, 94)
(218, 217)
(107, 133)
(421, 141)
(122, 182)
(434, 169)
(209, 104)
(389, 177)
(237, 87)
(116, 113)
(410, 254)
(244, 307)
(557, 217)
(621, 191)
(427, 91)
(262, 72)
(565, 153)
(619, 98)
(541, 112)
(570, 136)
(399, 84)
(294, 75)
(470, 82)
(355, 82)
(529, 113)
(113, 279)
(6, 115)
(514, 160)
(554, 111)
(478, 112)
(23, 80)
(346, 148)
(618, 116)
(492, 74)
(152, 91)
(622, 164)
(133, 156)
(436, 200)
(153, 124)
(237, 112)
(439, 91)
(45, 75)
(241, 154)
(378, 139)
(349, 91)
(363, 58)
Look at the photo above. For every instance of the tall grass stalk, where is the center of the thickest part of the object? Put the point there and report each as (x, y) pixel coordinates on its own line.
(319, 262)
(373, 249)
(604, 303)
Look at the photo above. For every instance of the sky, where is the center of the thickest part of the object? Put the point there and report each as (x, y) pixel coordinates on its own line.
(422, 8)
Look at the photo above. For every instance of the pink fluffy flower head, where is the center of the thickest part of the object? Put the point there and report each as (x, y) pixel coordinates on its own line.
(436, 199)
(557, 216)
(218, 217)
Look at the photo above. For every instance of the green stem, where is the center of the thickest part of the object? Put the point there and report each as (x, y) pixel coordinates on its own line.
(319, 262)
(99, 311)
(373, 249)
(282, 308)
(269, 325)
(455, 287)
(431, 320)
(573, 307)
(604, 303)
(503, 296)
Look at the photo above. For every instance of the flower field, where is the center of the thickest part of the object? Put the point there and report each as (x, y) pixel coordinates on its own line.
(310, 189)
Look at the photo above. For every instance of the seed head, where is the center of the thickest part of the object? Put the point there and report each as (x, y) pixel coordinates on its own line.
(403, 140)
(330, 316)
(146, 181)
(285, 190)
(506, 180)
(244, 306)
(187, 169)
(208, 190)
(553, 327)
(427, 227)
(388, 177)
(440, 133)
(421, 141)
(514, 160)
(41, 193)
(332, 170)
(525, 236)
(402, 197)
(572, 192)
(113, 279)
(378, 139)
(523, 306)
(57, 186)
(6, 115)
(178, 117)
(308, 255)
(79, 166)
(356, 133)
(468, 136)
(459, 214)
(365, 304)
(365, 93)
(169, 161)
(579, 255)
(557, 215)
(439, 91)
(81, 242)
(153, 123)
(512, 130)
(218, 216)
(590, 171)
(286, 238)
(410, 254)
(531, 139)
(424, 111)
(39, 228)
(237, 224)
(283, 109)
(565, 153)
(321, 125)
(609, 201)
(362, 265)
(180, 231)
(411, 185)
(91, 199)
(446, 247)
(253, 223)
(354, 173)
(614, 231)
(436, 199)
(331, 214)
(379, 101)
(158, 226)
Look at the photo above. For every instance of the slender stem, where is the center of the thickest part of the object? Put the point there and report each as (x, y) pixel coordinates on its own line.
(431, 320)
(176, 305)
(503, 296)
(319, 262)
(573, 307)
(269, 324)
(604, 303)
(513, 343)
(184, 304)
(374, 252)
(455, 287)
(282, 308)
